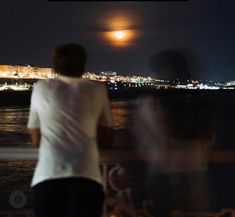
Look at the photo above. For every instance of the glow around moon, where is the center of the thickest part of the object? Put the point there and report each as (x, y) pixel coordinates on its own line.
(120, 31)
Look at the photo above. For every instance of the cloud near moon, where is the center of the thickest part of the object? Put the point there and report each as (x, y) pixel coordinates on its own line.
(120, 30)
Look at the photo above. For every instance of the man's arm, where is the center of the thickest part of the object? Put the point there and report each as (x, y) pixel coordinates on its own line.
(33, 124)
(35, 136)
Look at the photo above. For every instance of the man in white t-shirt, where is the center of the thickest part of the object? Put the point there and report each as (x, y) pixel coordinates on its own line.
(68, 117)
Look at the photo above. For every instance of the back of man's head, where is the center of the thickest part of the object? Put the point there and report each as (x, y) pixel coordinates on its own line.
(69, 59)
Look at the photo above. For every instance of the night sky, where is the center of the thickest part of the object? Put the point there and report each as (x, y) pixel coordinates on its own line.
(203, 28)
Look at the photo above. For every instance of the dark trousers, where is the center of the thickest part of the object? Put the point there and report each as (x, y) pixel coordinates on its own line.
(71, 197)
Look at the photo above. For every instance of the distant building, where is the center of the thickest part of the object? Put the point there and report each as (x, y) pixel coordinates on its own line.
(26, 72)
(230, 83)
(108, 73)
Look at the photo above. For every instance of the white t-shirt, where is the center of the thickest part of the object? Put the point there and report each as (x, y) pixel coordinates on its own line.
(68, 111)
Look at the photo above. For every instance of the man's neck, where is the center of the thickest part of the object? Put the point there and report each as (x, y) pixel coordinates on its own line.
(69, 79)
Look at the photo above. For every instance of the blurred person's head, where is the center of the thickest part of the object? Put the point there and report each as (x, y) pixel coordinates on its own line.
(189, 116)
(69, 59)
(170, 64)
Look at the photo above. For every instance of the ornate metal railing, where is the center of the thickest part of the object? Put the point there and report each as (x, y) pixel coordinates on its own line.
(119, 200)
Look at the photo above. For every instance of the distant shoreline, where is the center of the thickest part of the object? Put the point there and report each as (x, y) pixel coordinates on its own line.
(14, 98)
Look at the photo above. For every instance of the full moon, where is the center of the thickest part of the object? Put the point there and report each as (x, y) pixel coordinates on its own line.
(119, 35)
(120, 38)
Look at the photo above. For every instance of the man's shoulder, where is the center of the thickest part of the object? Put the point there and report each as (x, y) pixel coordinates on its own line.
(40, 83)
(85, 84)
(96, 86)
(44, 83)
(41, 86)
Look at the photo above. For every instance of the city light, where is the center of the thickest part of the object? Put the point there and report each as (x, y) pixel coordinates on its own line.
(112, 79)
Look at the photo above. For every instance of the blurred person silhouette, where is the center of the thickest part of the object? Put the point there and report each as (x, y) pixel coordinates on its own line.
(176, 128)
(68, 117)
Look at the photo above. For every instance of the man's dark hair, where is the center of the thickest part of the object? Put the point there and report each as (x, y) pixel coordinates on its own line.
(69, 59)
